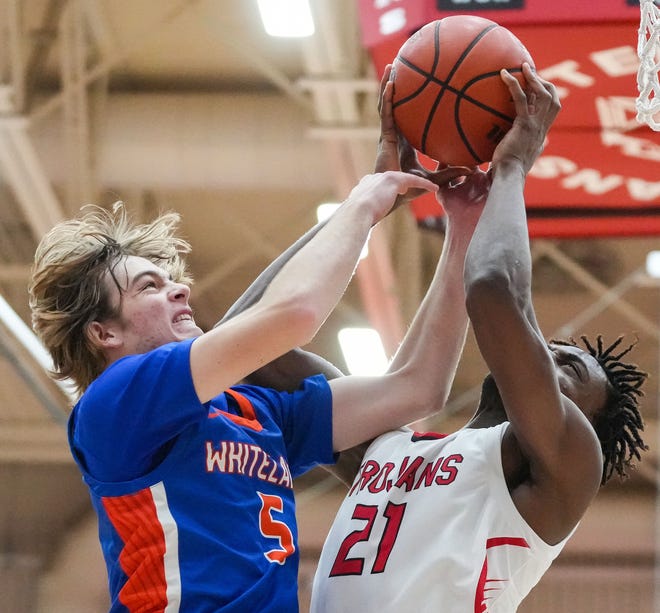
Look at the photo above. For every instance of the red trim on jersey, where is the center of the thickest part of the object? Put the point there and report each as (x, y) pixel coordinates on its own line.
(498, 541)
(142, 559)
(249, 417)
(427, 436)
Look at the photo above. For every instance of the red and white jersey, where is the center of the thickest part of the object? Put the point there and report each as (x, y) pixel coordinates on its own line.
(429, 525)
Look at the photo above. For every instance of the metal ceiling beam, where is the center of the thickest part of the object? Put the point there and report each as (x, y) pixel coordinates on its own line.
(604, 294)
(113, 57)
(74, 51)
(42, 39)
(14, 273)
(332, 60)
(22, 169)
(16, 333)
(15, 54)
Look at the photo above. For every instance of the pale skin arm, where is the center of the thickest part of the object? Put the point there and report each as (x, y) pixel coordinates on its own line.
(286, 372)
(422, 371)
(378, 401)
(549, 431)
(300, 297)
(420, 375)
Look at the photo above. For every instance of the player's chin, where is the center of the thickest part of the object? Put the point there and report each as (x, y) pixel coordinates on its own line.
(187, 329)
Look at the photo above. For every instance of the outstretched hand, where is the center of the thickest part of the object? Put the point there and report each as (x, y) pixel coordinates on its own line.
(396, 153)
(536, 109)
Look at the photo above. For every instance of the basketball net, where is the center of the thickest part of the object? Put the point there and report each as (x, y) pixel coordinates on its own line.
(648, 49)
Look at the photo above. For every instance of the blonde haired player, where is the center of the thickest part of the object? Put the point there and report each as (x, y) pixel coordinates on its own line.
(190, 474)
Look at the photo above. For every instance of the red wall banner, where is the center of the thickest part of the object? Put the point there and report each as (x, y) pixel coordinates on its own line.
(600, 171)
(383, 18)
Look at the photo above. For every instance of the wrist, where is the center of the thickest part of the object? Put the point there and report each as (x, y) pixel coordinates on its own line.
(509, 167)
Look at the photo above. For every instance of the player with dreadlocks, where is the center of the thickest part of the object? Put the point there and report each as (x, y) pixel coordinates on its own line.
(619, 425)
(470, 521)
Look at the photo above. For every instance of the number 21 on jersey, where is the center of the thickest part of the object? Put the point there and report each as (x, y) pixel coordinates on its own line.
(346, 565)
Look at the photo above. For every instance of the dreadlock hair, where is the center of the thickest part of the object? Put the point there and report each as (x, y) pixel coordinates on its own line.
(68, 288)
(619, 423)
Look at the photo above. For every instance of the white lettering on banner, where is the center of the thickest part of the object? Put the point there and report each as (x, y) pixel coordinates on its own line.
(617, 62)
(640, 189)
(382, 4)
(566, 71)
(392, 21)
(631, 146)
(591, 180)
(616, 114)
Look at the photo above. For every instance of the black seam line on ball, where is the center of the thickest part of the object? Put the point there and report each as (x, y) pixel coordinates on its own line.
(459, 126)
(456, 66)
(460, 93)
(429, 78)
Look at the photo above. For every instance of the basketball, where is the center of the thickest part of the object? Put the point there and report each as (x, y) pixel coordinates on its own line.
(449, 100)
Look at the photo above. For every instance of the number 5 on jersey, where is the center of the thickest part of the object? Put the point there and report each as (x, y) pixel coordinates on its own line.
(272, 528)
(393, 514)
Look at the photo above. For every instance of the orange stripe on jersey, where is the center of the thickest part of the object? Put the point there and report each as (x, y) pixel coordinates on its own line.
(249, 417)
(142, 558)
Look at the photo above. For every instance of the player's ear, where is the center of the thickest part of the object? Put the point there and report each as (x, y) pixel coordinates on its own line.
(102, 335)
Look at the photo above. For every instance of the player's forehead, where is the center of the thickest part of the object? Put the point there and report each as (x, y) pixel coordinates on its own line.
(131, 266)
(574, 352)
(567, 348)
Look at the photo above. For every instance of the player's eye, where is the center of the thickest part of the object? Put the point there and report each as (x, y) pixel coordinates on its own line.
(564, 361)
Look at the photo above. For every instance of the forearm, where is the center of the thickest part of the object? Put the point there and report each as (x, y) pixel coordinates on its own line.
(286, 372)
(500, 244)
(315, 278)
(257, 288)
(434, 342)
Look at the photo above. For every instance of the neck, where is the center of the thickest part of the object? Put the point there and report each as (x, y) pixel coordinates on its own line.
(487, 417)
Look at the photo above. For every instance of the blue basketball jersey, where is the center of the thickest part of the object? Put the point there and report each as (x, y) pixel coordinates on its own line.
(195, 501)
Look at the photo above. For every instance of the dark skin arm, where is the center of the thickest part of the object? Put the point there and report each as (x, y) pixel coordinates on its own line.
(550, 452)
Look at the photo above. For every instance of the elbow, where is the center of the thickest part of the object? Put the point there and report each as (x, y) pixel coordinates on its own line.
(416, 390)
(303, 319)
(486, 288)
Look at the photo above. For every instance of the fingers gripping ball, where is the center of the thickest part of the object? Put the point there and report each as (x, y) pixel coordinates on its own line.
(449, 100)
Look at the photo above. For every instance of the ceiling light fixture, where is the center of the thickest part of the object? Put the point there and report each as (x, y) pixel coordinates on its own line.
(287, 18)
(653, 264)
(363, 351)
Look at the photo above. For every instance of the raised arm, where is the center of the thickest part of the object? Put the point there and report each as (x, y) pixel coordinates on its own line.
(287, 371)
(298, 299)
(546, 426)
(420, 375)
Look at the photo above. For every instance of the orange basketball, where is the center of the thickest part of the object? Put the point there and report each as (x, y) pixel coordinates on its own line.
(449, 100)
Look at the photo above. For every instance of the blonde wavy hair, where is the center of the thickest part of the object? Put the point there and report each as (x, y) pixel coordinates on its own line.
(67, 289)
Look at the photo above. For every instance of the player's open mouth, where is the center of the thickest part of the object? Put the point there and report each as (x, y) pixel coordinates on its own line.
(183, 317)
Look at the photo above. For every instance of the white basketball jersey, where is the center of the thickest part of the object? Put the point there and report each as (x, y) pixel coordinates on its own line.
(429, 525)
